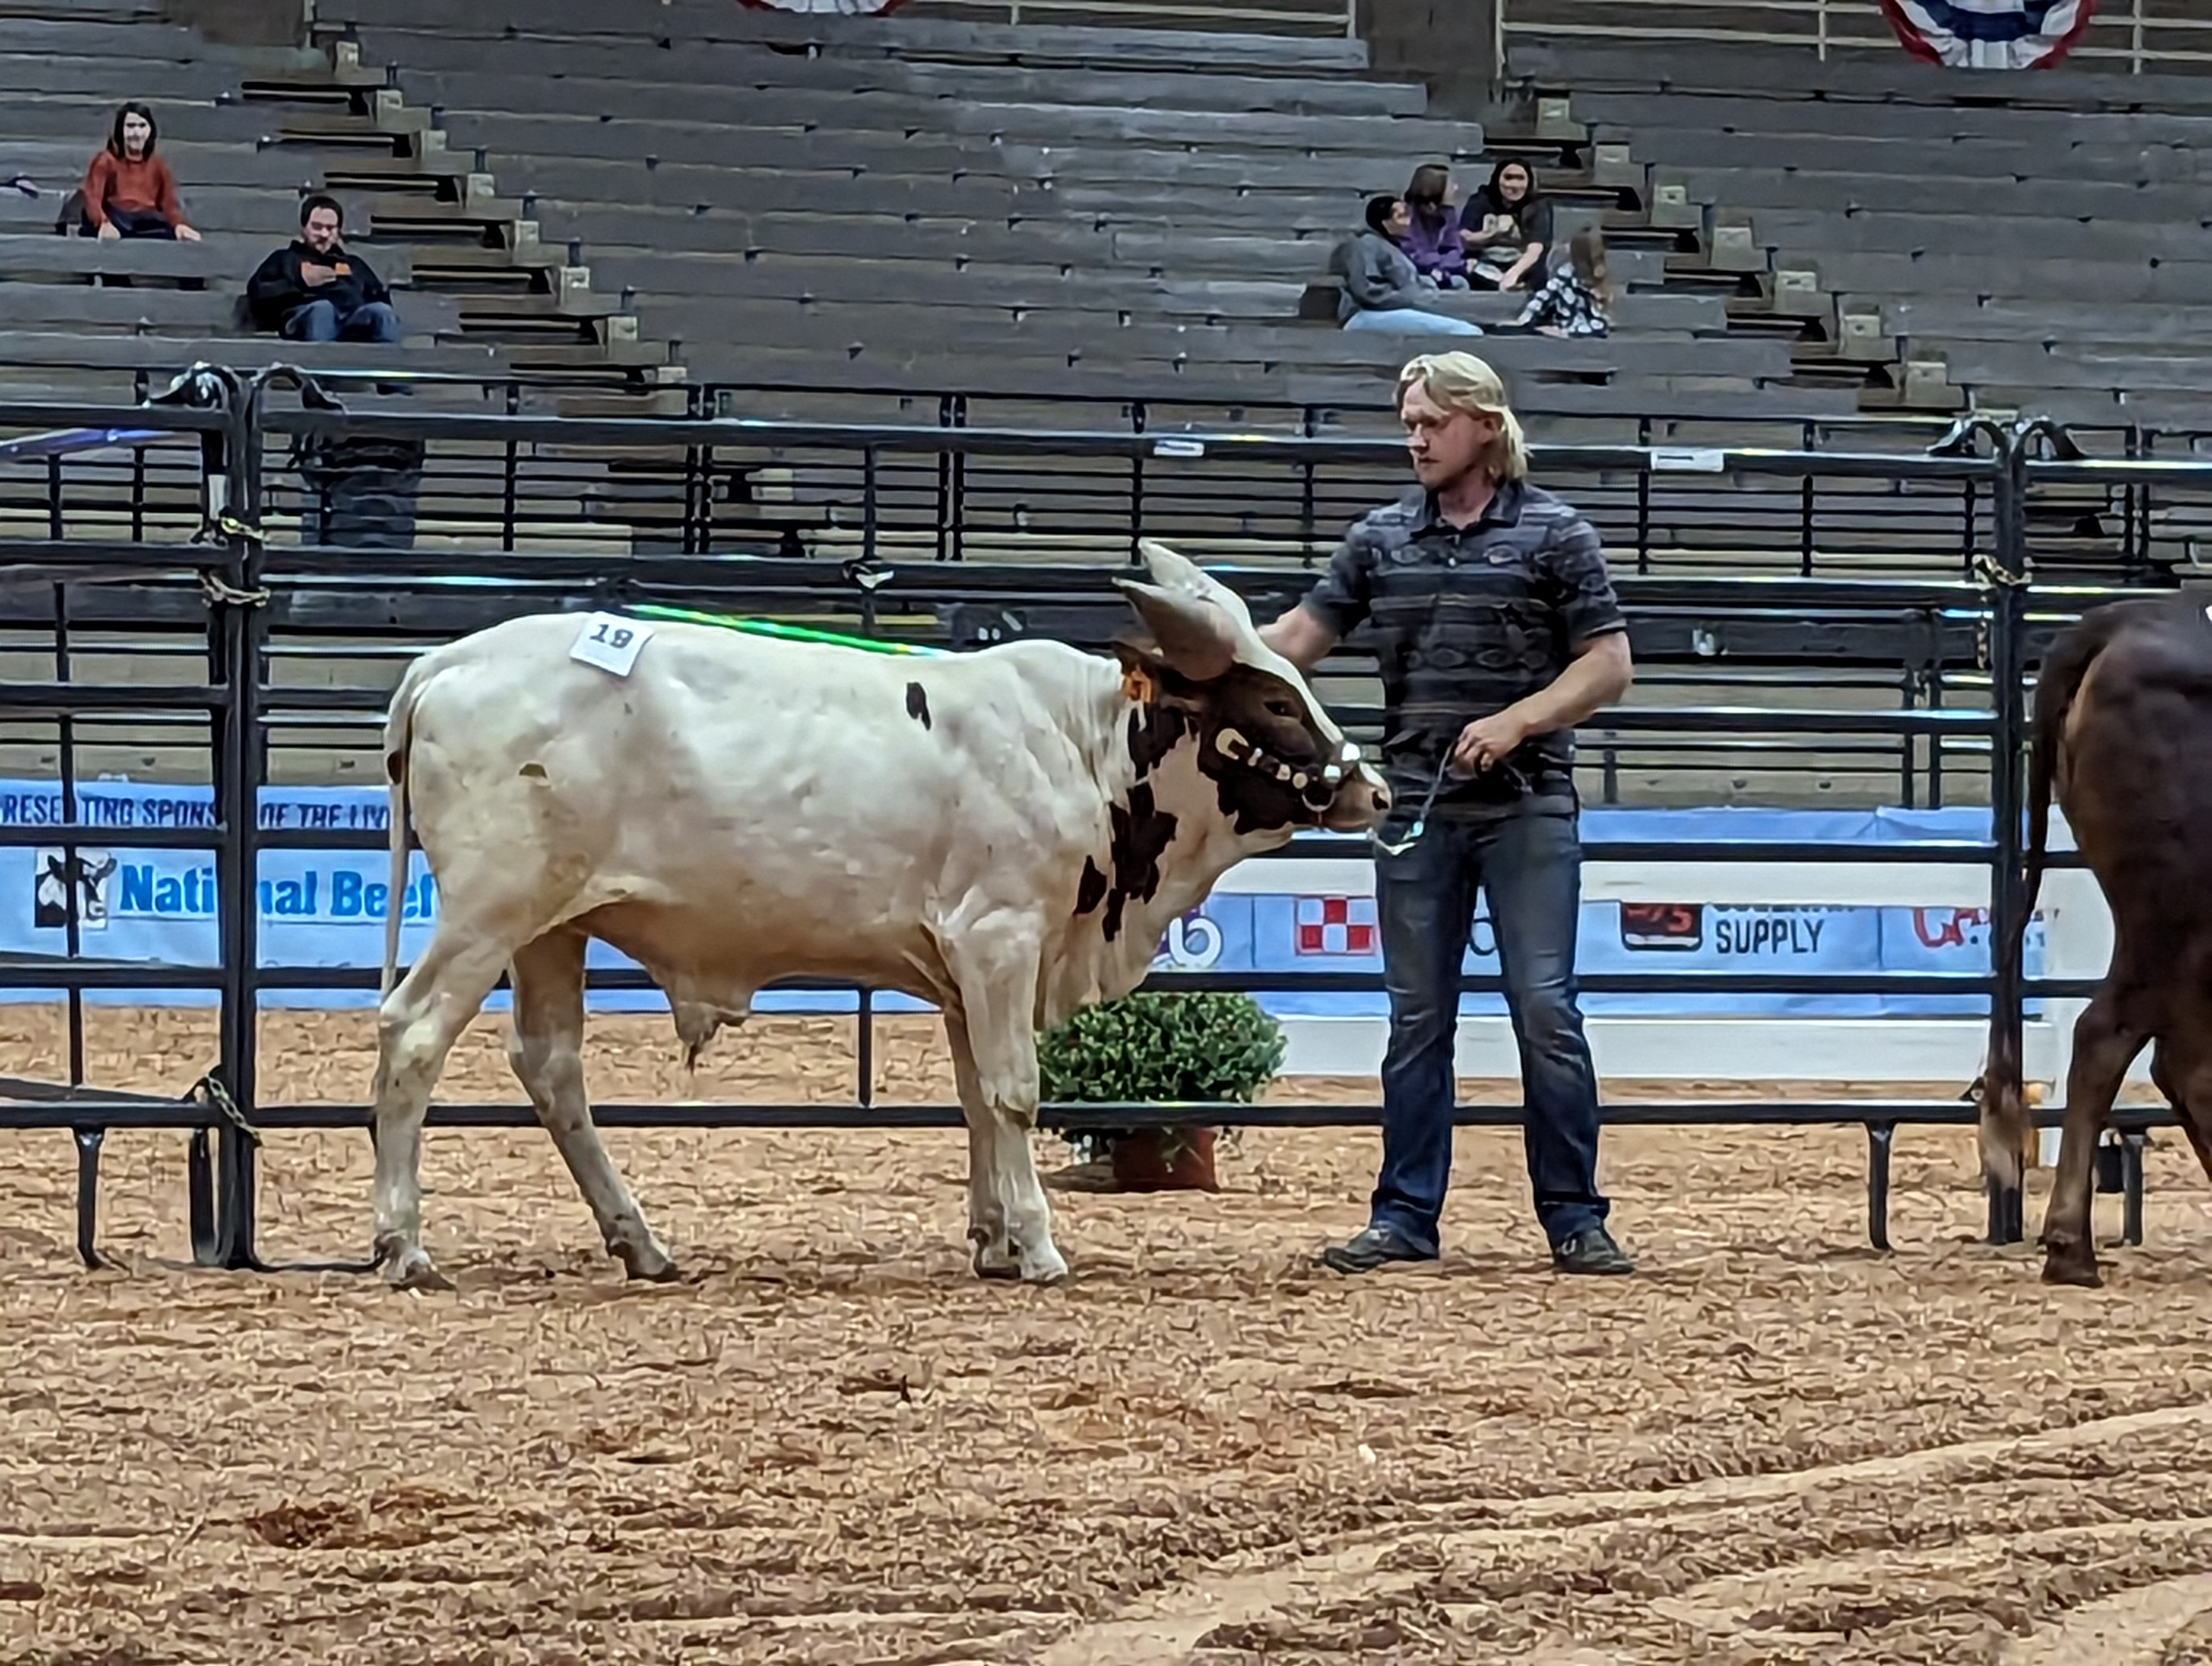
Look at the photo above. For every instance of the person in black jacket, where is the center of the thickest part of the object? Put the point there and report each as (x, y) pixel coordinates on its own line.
(317, 289)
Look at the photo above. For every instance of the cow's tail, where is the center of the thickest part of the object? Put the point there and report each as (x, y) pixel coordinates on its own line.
(398, 740)
(2004, 1095)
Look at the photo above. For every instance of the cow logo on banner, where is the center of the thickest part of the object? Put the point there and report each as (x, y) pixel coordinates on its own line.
(69, 885)
(1335, 925)
(827, 7)
(1989, 34)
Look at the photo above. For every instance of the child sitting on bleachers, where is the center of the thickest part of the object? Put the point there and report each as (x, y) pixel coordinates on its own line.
(1431, 240)
(1574, 299)
(128, 190)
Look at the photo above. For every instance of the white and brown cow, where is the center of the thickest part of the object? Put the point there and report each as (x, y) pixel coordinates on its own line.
(1006, 833)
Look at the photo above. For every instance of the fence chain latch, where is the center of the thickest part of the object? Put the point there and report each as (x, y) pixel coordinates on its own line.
(209, 1090)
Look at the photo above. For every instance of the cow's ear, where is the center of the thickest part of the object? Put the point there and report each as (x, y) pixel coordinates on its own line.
(1195, 637)
(1146, 676)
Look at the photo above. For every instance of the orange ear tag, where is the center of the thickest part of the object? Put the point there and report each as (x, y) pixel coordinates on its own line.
(1137, 685)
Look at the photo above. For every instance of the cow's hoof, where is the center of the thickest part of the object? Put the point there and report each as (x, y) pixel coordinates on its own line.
(1049, 1267)
(412, 1269)
(652, 1269)
(646, 1262)
(993, 1259)
(2078, 1270)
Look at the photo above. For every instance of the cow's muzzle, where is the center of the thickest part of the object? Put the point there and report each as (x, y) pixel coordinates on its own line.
(1360, 803)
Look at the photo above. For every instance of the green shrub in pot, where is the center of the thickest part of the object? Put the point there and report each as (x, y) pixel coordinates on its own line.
(1208, 1046)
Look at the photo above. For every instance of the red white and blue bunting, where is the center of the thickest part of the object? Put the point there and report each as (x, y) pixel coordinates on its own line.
(827, 7)
(1989, 34)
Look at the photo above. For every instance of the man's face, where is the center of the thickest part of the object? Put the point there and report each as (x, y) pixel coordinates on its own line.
(322, 229)
(1444, 445)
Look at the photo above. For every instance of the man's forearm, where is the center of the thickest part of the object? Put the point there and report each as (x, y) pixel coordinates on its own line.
(1590, 683)
(1300, 637)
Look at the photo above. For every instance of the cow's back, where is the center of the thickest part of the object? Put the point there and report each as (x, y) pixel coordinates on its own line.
(2132, 782)
(809, 809)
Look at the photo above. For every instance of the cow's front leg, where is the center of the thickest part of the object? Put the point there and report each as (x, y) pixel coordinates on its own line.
(416, 1027)
(996, 966)
(2105, 1038)
(986, 1213)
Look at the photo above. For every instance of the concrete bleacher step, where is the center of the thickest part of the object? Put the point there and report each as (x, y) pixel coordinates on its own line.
(1750, 189)
(540, 113)
(907, 36)
(744, 67)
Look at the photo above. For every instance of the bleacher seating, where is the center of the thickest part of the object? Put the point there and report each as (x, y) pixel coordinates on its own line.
(963, 207)
(248, 131)
(2039, 245)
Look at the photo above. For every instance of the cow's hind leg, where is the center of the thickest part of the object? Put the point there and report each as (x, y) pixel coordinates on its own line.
(546, 1049)
(995, 965)
(2106, 1036)
(416, 1027)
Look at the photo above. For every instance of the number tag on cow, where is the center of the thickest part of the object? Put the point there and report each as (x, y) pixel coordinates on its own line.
(610, 642)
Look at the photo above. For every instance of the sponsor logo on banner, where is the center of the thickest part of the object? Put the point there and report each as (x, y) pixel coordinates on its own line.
(66, 884)
(1677, 926)
(343, 895)
(1950, 928)
(1781, 931)
(1192, 944)
(1335, 926)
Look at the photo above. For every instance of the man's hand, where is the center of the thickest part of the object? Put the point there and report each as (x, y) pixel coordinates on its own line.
(108, 231)
(1487, 740)
(315, 276)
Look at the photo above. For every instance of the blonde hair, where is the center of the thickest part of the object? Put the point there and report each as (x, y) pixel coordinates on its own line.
(1460, 382)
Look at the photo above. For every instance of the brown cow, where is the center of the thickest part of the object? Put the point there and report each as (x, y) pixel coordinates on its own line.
(2122, 706)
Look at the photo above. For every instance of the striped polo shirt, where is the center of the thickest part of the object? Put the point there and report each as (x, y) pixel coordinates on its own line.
(1463, 622)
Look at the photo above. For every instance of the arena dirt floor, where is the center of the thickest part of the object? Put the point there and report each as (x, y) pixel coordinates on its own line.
(835, 1445)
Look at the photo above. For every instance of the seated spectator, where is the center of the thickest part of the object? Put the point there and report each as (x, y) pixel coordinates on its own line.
(1574, 299)
(1505, 228)
(1381, 290)
(128, 190)
(317, 289)
(1431, 240)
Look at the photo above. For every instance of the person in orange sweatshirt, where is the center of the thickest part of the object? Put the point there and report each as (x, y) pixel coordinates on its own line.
(128, 190)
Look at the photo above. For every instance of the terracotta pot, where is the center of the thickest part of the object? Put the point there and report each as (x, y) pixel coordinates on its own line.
(1165, 1160)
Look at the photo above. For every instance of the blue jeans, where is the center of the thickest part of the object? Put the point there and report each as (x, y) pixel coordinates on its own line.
(320, 321)
(1529, 864)
(1410, 320)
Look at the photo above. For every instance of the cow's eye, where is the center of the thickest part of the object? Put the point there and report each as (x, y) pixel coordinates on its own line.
(1282, 708)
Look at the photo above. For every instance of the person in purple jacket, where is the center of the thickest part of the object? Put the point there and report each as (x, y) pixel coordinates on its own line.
(1432, 239)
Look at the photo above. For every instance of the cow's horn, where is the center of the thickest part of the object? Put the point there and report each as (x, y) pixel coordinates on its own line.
(1196, 637)
(1171, 568)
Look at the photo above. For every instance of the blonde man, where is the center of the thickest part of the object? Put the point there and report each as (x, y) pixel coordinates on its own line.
(1497, 630)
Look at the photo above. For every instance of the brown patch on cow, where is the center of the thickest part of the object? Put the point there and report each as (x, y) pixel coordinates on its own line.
(1090, 889)
(917, 704)
(1142, 834)
(1154, 732)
